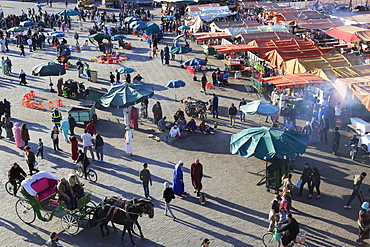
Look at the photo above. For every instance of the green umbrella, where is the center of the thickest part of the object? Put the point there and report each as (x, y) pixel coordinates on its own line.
(181, 50)
(126, 95)
(98, 37)
(16, 30)
(69, 12)
(152, 29)
(267, 143)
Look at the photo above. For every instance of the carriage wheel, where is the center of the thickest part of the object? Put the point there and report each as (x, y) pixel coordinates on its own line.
(25, 211)
(70, 224)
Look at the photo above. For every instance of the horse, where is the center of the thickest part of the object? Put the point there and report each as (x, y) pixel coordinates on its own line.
(127, 217)
(123, 203)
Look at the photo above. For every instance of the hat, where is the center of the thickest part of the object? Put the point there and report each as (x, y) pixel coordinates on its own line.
(166, 184)
(180, 162)
(365, 205)
(127, 128)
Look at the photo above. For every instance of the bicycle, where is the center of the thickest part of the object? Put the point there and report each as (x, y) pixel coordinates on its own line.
(269, 241)
(91, 174)
(10, 188)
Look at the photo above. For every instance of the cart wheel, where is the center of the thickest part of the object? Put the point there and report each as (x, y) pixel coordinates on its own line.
(25, 211)
(70, 224)
(267, 189)
(95, 118)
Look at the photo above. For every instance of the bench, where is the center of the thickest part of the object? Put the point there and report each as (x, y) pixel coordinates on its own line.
(45, 189)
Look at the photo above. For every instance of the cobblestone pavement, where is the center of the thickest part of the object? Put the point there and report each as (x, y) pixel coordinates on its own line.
(236, 210)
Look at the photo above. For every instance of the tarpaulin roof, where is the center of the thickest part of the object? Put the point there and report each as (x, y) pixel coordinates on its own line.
(196, 7)
(208, 36)
(360, 19)
(359, 86)
(330, 67)
(316, 23)
(231, 48)
(221, 25)
(195, 24)
(265, 36)
(303, 15)
(295, 80)
(349, 33)
(276, 52)
(265, 5)
(258, 29)
(210, 13)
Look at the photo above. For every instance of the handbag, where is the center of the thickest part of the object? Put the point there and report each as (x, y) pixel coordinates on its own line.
(299, 183)
(276, 235)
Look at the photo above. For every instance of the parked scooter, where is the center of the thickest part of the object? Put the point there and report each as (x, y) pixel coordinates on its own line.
(353, 147)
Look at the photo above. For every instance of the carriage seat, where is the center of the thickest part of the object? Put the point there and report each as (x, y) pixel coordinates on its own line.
(45, 188)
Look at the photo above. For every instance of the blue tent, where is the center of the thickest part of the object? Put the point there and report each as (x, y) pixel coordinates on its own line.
(259, 107)
(152, 28)
(195, 62)
(175, 84)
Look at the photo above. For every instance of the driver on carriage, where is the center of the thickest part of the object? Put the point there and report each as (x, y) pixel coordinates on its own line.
(15, 174)
(65, 193)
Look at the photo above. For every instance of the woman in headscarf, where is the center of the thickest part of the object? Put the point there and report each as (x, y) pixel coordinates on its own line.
(363, 223)
(178, 180)
(17, 135)
(74, 147)
(8, 126)
(168, 195)
(22, 76)
(64, 126)
(25, 136)
(128, 141)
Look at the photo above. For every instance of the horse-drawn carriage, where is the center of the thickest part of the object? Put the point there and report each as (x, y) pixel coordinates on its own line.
(40, 193)
(195, 108)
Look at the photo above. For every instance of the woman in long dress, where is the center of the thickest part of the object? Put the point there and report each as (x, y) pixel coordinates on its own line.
(74, 148)
(65, 128)
(8, 126)
(128, 141)
(17, 135)
(134, 118)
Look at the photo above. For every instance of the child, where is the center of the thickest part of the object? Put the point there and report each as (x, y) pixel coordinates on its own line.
(40, 149)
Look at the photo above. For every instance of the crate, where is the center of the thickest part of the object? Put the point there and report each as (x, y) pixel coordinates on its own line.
(301, 237)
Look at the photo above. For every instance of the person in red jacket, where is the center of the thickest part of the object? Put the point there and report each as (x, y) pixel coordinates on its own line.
(91, 128)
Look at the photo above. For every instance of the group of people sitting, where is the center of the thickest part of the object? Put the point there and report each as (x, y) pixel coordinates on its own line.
(180, 124)
(70, 190)
(71, 88)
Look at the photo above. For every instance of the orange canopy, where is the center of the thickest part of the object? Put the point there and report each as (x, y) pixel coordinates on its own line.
(290, 48)
(232, 48)
(295, 80)
(265, 36)
(208, 36)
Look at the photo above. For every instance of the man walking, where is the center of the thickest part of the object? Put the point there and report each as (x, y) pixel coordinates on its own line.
(242, 114)
(178, 180)
(232, 114)
(214, 106)
(196, 173)
(56, 117)
(274, 213)
(72, 124)
(146, 178)
(324, 126)
(306, 177)
(335, 140)
(204, 83)
(87, 142)
(357, 181)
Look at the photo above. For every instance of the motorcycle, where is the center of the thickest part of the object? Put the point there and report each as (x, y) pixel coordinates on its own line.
(353, 147)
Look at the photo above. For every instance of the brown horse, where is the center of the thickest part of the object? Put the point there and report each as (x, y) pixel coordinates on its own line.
(126, 216)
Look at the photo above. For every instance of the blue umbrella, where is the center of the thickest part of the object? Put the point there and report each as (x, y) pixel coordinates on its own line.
(167, 18)
(26, 23)
(40, 5)
(259, 107)
(195, 62)
(134, 23)
(183, 27)
(175, 84)
(140, 27)
(132, 18)
(117, 37)
(125, 69)
(57, 34)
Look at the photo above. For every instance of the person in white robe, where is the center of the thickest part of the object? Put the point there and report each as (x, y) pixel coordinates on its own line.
(126, 115)
(128, 141)
(174, 132)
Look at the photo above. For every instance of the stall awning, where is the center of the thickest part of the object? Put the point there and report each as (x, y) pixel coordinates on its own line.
(349, 33)
(246, 38)
(359, 86)
(295, 80)
(303, 15)
(196, 7)
(209, 36)
(221, 26)
(232, 48)
(321, 24)
(258, 29)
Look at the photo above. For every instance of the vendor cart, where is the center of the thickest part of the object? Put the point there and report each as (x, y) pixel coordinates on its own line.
(83, 113)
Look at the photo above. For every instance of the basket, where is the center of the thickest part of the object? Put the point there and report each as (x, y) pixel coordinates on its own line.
(301, 237)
